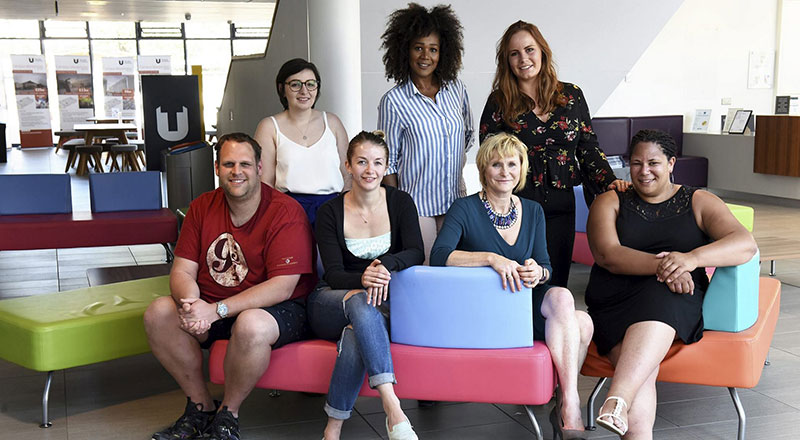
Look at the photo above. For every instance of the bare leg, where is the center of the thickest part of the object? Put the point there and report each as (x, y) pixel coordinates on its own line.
(178, 351)
(636, 362)
(391, 404)
(568, 333)
(429, 226)
(247, 358)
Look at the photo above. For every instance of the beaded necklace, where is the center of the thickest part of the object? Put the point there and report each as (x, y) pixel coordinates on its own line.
(500, 221)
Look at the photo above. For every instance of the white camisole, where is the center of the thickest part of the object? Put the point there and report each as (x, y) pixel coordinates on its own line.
(308, 170)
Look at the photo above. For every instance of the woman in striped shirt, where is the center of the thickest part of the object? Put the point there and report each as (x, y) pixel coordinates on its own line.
(426, 116)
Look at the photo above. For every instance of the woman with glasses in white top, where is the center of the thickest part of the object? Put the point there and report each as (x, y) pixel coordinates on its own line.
(303, 149)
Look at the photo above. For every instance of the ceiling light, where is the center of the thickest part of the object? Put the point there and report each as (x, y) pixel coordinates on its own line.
(97, 2)
(88, 14)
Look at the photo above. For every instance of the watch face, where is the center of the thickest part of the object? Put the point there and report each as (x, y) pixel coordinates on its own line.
(222, 310)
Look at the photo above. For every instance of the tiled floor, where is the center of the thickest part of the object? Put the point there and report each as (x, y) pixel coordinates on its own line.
(132, 397)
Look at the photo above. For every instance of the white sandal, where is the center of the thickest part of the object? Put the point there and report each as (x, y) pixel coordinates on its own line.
(614, 415)
(401, 431)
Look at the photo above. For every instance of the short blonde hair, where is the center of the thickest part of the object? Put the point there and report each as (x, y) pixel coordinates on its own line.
(502, 145)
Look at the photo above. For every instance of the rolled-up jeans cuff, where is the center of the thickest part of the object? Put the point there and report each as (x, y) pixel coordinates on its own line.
(381, 378)
(336, 413)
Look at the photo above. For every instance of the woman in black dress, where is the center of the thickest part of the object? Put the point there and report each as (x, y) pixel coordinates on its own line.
(651, 244)
(552, 119)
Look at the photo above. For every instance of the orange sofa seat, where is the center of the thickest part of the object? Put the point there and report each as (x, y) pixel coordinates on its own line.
(720, 358)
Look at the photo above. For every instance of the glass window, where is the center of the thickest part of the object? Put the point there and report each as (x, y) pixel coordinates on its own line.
(199, 29)
(65, 29)
(251, 29)
(19, 29)
(214, 56)
(112, 29)
(8, 114)
(173, 48)
(161, 30)
(249, 47)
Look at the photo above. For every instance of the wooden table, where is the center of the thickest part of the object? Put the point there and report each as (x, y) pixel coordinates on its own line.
(777, 248)
(116, 130)
(109, 120)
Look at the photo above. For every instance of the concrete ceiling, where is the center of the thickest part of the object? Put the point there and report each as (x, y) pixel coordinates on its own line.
(138, 10)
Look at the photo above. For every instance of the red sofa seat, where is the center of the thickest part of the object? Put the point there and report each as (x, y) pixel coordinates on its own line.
(86, 229)
(523, 376)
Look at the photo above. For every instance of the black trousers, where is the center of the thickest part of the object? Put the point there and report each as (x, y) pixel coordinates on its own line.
(559, 214)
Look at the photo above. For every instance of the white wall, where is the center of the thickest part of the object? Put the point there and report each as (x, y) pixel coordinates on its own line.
(699, 57)
(594, 43)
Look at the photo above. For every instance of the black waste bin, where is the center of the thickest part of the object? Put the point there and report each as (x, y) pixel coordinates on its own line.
(190, 172)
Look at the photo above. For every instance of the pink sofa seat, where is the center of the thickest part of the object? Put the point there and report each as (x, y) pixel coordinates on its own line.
(521, 376)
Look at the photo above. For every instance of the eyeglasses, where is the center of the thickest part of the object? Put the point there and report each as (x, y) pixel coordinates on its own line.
(295, 85)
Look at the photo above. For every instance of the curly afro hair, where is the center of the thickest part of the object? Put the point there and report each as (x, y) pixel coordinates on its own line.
(406, 25)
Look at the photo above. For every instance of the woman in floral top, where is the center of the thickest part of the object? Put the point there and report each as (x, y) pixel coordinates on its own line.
(552, 119)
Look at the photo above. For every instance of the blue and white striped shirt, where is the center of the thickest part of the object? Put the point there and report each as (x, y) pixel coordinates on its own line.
(428, 141)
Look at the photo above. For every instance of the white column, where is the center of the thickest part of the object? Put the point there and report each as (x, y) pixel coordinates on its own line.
(334, 39)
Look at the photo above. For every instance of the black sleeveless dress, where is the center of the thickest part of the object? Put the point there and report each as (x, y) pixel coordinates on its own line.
(615, 302)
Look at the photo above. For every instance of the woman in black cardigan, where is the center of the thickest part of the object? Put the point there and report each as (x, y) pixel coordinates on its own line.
(363, 236)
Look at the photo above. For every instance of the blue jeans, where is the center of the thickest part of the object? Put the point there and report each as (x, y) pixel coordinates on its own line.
(362, 349)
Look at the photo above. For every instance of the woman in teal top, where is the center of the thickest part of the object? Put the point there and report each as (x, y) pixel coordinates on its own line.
(498, 229)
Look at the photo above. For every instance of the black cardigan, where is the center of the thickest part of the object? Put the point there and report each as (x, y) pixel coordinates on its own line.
(343, 270)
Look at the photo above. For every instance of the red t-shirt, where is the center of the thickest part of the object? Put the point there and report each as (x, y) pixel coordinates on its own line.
(276, 241)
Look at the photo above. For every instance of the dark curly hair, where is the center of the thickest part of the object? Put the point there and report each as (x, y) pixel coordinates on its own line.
(658, 137)
(289, 68)
(406, 25)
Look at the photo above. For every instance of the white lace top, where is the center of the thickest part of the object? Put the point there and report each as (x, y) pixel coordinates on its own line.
(369, 248)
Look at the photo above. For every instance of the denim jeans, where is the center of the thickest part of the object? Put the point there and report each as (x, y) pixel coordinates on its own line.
(362, 349)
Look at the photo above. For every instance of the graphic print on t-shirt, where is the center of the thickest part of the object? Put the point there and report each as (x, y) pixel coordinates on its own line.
(226, 262)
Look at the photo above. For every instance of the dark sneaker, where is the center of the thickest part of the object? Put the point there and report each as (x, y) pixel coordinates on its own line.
(224, 426)
(190, 425)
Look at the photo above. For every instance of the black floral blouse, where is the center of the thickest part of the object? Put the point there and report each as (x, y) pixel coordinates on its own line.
(563, 152)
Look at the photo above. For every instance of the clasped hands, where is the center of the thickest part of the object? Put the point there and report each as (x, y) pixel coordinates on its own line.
(515, 275)
(375, 280)
(196, 315)
(675, 270)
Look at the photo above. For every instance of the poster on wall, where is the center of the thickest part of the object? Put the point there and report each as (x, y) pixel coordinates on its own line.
(75, 97)
(118, 87)
(33, 106)
(155, 65)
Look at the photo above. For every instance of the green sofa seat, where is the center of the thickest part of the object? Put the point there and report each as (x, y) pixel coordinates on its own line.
(744, 214)
(80, 327)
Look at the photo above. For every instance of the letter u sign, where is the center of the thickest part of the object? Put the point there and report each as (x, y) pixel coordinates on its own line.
(182, 125)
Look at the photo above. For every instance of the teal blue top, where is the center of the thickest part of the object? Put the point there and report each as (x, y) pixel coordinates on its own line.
(467, 228)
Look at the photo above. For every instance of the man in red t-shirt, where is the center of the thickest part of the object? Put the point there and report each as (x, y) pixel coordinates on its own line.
(242, 269)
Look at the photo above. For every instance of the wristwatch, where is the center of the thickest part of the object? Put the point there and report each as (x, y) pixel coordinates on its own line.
(222, 310)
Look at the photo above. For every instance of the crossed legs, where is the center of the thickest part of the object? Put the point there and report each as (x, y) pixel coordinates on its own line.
(247, 356)
(636, 360)
(567, 334)
(363, 349)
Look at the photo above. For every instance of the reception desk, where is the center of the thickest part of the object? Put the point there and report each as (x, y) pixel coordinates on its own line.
(730, 165)
(777, 146)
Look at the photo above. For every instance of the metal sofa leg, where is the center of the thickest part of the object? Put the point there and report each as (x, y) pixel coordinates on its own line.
(170, 255)
(45, 396)
(739, 411)
(536, 430)
(590, 404)
(772, 269)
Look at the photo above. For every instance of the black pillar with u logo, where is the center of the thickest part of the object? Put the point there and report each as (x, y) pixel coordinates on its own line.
(171, 114)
